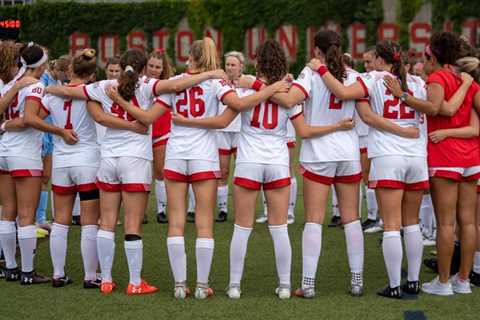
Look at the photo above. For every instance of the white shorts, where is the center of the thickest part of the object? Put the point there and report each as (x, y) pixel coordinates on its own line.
(191, 170)
(332, 171)
(227, 142)
(160, 141)
(74, 179)
(398, 172)
(455, 173)
(363, 142)
(255, 176)
(18, 167)
(130, 174)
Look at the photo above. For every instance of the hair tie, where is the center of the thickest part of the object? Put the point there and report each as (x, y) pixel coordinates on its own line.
(397, 56)
(129, 69)
(160, 51)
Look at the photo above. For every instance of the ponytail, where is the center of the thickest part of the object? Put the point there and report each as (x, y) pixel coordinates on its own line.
(85, 64)
(204, 54)
(470, 65)
(8, 53)
(329, 43)
(132, 62)
(391, 53)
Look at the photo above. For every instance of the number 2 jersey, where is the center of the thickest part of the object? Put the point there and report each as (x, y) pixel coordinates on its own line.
(383, 103)
(263, 133)
(323, 108)
(120, 142)
(200, 101)
(28, 142)
(72, 114)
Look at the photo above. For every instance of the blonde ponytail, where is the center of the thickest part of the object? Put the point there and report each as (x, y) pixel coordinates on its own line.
(204, 54)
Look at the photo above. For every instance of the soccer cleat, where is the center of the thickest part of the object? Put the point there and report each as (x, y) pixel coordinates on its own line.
(429, 242)
(107, 287)
(475, 278)
(203, 292)
(356, 290)
(2, 273)
(374, 229)
(335, 222)
(61, 282)
(29, 278)
(393, 293)
(12, 274)
(262, 219)
(437, 288)
(222, 216)
(143, 288)
(181, 291)
(431, 264)
(191, 217)
(460, 286)
(411, 287)
(233, 291)
(92, 284)
(307, 293)
(290, 219)
(41, 233)
(368, 223)
(283, 292)
(162, 217)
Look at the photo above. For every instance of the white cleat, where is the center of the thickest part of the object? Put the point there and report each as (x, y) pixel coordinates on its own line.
(262, 219)
(460, 286)
(307, 293)
(180, 291)
(203, 292)
(374, 229)
(290, 219)
(437, 288)
(283, 292)
(233, 291)
(428, 242)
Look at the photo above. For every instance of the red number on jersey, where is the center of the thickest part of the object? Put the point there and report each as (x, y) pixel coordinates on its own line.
(269, 121)
(334, 104)
(11, 113)
(118, 110)
(67, 106)
(191, 101)
(390, 112)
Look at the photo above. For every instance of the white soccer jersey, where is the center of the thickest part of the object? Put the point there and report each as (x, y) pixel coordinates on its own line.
(73, 114)
(264, 132)
(119, 142)
(360, 126)
(28, 142)
(323, 108)
(381, 143)
(236, 123)
(200, 101)
(422, 87)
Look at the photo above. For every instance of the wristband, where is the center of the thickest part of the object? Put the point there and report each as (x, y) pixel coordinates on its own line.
(257, 85)
(322, 70)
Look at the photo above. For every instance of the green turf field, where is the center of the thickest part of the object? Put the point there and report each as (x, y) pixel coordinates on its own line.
(258, 300)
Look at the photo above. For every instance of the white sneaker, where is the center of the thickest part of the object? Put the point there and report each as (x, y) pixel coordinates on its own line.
(233, 291)
(290, 219)
(429, 242)
(180, 291)
(283, 292)
(376, 228)
(202, 292)
(262, 219)
(460, 286)
(437, 288)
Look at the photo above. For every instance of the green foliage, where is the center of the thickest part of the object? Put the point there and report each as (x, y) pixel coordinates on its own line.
(456, 11)
(50, 23)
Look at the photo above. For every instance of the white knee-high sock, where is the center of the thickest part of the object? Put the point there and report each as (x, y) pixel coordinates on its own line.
(27, 241)
(392, 254)
(335, 210)
(178, 258)
(311, 249)
(427, 217)
(265, 207)
(88, 247)
(293, 196)
(191, 199)
(355, 246)
(414, 250)
(106, 253)
(134, 253)
(283, 253)
(204, 254)
(372, 205)
(222, 198)
(476, 262)
(58, 248)
(161, 195)
(8, 240)
(360, 201)
(238, 251)
(76, 207)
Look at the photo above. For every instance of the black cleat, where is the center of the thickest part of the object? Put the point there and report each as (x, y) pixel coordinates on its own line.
(431, 264)
(2, 273)
(393, 293)
(162, 217)
(191, 217)
(222, 216)
(411, 287)
(75, 220)
(145, 219)
(92, 284)
(61, 282)
(29, 278)
(335, 222)
(368, 223)
(475, 278)
(12, 274)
